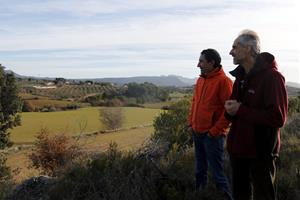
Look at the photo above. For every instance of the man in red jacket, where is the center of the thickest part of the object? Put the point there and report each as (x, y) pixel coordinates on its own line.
(257, 109)
(207, 120)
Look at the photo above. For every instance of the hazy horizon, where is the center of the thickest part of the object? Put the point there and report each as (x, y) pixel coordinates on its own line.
(99, 39)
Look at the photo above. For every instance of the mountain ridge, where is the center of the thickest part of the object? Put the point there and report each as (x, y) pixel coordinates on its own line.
(162, 80)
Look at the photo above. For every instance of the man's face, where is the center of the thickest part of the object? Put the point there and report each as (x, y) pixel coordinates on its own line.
(239, 52)
(205, 66)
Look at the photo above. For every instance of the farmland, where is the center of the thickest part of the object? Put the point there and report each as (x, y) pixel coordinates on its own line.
(74, 122)
(69, 91)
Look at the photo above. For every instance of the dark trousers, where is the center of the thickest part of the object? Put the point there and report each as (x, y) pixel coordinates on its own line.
(253, 177)
(210, 152)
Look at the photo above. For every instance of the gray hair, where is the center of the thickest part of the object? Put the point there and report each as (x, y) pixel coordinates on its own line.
(250, 38)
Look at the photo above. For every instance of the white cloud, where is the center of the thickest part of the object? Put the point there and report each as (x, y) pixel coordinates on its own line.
(163, 36)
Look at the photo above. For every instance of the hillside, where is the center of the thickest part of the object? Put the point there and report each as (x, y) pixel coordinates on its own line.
(171, 80)
(293, 91)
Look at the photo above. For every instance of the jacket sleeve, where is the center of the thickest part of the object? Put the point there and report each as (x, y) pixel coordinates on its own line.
(232, 96)
(225, 90)
(275, 101)
(191, 111)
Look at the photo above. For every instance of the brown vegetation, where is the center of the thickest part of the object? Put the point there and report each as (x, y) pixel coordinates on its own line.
(52, 153)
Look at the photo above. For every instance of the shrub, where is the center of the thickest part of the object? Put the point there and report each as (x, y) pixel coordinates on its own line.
(53, 153)
(288, 176)
(5, 177)
(72, 106)
(138, 175)
(171, 125)
(28, 106)
(292, 127)
(294, 105)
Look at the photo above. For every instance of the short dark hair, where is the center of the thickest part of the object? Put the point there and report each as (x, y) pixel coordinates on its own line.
(212, 55)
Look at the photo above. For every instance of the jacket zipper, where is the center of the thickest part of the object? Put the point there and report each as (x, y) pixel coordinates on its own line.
(203, 91)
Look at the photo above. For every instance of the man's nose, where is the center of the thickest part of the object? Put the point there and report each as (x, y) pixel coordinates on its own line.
(198, 65)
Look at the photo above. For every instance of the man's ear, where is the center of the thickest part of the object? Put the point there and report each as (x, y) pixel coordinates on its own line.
(213, 63)
(248, 48)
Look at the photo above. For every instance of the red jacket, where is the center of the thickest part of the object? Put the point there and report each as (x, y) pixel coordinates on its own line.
(207, 110)
(254, 130)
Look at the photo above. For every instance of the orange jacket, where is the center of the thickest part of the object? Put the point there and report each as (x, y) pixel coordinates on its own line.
(207, 110)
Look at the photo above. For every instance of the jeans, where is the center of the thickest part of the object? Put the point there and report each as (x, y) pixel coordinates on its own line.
(209, 151)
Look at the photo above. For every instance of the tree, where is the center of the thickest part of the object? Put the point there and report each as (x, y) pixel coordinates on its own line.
(111, 118)
(10, 106)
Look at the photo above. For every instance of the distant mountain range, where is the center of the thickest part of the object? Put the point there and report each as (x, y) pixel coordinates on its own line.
(292, 84)
(170, 80)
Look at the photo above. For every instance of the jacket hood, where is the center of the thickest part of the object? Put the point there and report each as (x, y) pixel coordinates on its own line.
(216, 72)
(263, 61)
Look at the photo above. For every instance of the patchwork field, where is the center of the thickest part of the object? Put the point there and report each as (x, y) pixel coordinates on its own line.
(84, 120)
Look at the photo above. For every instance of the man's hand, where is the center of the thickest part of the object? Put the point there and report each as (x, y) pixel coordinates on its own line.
(232, 106)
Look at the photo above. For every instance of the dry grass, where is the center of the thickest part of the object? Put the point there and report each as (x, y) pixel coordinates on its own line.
(126, 140)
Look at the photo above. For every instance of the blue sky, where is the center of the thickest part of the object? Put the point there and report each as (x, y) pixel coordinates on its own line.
(94, 39)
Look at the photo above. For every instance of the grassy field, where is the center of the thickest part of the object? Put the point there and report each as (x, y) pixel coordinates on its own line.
(73, 122)
(126, 140)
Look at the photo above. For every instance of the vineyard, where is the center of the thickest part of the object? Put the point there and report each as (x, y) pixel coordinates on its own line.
(70, 91)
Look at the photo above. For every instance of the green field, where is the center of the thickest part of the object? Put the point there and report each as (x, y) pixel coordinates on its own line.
(73, 122)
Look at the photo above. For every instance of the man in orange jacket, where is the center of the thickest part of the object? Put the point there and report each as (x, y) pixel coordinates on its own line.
(207, 121)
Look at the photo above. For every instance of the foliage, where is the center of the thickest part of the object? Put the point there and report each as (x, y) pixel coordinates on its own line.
(47, 105)
(294, 105)
(146, 92)
(288, 176)
(134, 175)
(10, 105)
(111, 118)
(53, 153)
(5, 177)
(171, 125)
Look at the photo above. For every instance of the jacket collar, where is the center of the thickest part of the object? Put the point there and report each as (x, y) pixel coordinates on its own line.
(263, 62)
(215, 72)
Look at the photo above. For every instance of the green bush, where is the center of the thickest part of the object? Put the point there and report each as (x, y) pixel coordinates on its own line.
(133, 175)
(294, 105)
(171, 125)
(5, 178)
(288, 176)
